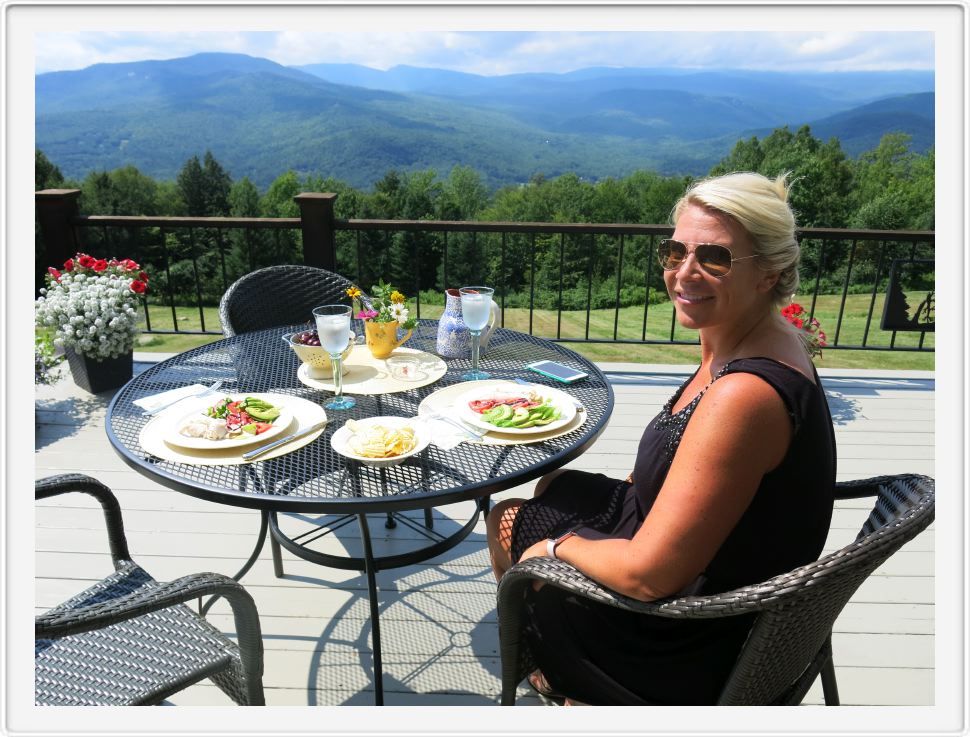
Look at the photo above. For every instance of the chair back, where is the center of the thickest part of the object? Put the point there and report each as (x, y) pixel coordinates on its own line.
(789, 641)
(279, 295)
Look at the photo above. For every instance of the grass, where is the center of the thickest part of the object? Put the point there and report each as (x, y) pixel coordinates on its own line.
(629, 325)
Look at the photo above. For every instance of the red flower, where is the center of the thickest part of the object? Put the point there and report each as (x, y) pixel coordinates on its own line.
(143, 276)
(69, 264)
(129, 264)
(138, 286)
(100, 265)
(113, 262)
(86, 261)
(822, 339)
(797, 322)
(54, 273)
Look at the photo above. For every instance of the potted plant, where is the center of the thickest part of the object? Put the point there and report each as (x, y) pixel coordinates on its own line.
(811, 330)
(383, 313)
(90, 305)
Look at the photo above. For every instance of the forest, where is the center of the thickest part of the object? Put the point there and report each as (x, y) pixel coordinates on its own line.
(890, 187)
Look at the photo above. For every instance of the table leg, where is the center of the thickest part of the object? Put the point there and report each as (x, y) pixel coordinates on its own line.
(274, 546)
(375, 622)
(260, 539)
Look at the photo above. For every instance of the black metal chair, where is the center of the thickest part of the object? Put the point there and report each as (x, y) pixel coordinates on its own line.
(790, 641)
(130, 640)
(279, 295)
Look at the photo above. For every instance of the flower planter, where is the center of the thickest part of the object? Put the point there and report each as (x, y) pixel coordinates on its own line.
(97, 376)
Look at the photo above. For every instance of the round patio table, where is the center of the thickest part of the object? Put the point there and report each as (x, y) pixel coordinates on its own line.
(315, 479)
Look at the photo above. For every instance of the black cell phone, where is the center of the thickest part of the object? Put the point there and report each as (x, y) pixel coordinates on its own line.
(557, 371)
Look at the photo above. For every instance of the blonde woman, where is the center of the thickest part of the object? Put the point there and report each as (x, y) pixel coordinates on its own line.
(732, 482)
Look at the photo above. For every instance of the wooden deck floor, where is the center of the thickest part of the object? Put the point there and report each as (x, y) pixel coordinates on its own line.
(438, 619)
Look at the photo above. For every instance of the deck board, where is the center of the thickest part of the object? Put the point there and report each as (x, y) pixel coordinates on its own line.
(438, 618)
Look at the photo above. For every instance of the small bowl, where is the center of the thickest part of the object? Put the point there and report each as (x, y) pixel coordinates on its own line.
(339, 441)
(405, 368)
(316, 357)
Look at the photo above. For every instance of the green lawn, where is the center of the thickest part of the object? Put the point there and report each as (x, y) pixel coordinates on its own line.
(629, 326)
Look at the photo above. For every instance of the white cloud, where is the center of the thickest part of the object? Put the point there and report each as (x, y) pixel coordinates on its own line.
(508, 52)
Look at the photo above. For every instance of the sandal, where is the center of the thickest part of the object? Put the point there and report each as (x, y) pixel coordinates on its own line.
(541, 686)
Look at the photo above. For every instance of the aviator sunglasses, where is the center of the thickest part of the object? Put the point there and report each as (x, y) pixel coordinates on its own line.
(715, 259)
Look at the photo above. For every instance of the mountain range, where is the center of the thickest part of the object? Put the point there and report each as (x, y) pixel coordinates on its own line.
(353, 123)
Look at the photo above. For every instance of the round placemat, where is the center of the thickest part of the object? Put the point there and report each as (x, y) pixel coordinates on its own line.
(443, 400)
(305, 414)
(369, 375)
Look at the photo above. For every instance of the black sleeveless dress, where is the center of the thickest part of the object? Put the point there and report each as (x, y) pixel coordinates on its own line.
(602, 655)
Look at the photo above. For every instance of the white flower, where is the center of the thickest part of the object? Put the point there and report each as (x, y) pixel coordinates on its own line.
(94, 314)
(399, 312)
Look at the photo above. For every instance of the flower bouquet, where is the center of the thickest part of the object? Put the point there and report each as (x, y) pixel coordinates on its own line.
(90, 304)
(810, 328)
(382, 313)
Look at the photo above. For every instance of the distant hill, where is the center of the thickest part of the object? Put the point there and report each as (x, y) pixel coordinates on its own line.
(260, 118)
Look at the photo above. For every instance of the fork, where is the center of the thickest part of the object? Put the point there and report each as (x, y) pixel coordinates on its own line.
(211, 388)
(475, 434)
(523, 382)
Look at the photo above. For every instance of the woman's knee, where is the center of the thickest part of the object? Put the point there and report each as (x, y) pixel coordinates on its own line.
(501, 516)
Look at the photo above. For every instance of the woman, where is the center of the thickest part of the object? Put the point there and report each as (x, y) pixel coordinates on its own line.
(732, 483)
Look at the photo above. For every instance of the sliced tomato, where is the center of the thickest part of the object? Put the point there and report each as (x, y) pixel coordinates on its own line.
(263, 427)
(232, 407)
(481, 405)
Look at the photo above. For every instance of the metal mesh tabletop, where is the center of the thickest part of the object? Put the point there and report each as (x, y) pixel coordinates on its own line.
(315, 478)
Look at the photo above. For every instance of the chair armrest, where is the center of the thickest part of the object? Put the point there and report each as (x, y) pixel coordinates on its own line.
(564, 576)
(78, 482)
(152, 599)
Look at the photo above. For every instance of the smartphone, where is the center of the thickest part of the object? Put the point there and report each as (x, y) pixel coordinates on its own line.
(557, 371)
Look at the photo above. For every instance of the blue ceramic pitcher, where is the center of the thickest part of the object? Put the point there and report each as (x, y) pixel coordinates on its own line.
(454, 340)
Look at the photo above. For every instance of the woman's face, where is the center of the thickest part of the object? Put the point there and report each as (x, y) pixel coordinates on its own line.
(703, 300)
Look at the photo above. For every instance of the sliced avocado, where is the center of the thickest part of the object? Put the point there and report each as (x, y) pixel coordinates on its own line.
(504, 411)
(263, 415)
(520, 416)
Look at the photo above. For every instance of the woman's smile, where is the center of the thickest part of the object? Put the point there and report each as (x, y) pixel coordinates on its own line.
(692, 298)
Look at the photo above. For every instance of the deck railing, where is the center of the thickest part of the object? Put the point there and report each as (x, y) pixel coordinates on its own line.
(572, 282)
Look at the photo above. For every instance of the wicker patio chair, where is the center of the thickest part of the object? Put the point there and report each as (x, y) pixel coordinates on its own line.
(130, 640)
(789, 643)
(279, 295)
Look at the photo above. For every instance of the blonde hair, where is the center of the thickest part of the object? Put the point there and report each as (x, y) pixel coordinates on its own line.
(761, 206)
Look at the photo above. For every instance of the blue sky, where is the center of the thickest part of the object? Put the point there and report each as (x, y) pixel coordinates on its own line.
(492, 53)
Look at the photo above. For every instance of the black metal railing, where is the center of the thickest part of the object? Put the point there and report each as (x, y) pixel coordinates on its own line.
(572, 282)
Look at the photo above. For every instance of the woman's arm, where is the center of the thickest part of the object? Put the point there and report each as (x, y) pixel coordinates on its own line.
(739, 431)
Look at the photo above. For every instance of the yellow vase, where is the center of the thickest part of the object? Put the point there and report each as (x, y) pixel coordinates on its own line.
(382, 337)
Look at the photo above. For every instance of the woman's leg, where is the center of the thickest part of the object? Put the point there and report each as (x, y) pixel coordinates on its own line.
(498, 526)
(498, 533)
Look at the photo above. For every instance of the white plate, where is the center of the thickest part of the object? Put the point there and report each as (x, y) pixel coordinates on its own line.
(171, 435)
(562, 401)
(341, 437)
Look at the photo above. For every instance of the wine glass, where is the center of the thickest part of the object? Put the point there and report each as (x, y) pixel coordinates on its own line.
(333, 327)
(476, 308)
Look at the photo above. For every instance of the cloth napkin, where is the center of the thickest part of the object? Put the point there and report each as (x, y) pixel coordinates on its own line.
(445, 435)
(154, 401)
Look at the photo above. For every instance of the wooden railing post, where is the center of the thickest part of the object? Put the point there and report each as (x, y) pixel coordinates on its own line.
(55, 209)
(317, 224)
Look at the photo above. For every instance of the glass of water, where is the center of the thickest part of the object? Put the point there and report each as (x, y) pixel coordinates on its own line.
(333, 327)
(476, 308)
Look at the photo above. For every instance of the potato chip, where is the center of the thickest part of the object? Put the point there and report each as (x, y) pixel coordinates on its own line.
(378, 441)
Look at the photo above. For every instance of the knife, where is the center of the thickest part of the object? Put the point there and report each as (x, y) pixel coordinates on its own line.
(249, 455)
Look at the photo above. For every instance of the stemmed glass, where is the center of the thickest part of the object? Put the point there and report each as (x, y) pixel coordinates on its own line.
(333, 327)
(476, 308)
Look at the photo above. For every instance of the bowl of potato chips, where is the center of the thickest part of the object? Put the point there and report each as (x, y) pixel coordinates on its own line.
(381, 441)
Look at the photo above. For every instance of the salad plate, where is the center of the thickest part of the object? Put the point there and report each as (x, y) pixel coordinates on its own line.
(516, 410)
(173, 423)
